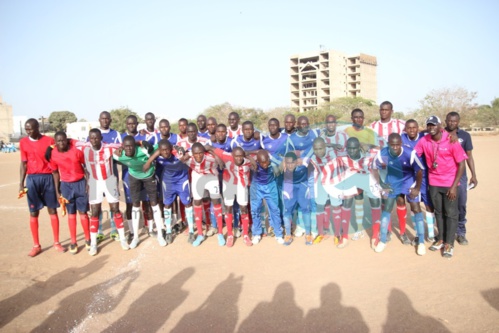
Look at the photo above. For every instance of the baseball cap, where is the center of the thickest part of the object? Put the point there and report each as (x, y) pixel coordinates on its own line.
(433, 120)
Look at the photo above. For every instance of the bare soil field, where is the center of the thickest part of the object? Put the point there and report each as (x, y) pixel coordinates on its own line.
(264, 288)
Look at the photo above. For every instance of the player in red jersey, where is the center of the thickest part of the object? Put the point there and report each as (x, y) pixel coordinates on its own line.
(36, 177)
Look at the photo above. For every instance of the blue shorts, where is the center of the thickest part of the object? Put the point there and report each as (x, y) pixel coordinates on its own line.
(41, 192)
(295, 195)
(179, 188)
(128, 194)
(75, 193)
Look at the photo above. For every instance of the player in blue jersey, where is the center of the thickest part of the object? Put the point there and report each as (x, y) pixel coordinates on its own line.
(275, 142)
(247, 140)
(202, 129)
(264, 186)
(410, 138)
(297, 182)
(222, 141)
(174, 183)
(289, 124)
(404, 173)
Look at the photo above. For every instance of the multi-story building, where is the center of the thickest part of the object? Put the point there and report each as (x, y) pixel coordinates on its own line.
(6, 121)
(320, 77)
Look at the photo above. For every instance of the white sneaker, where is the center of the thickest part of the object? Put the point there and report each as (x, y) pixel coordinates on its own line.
(93, 250)
(161, 240)
(237, 233)
(358, 235)
(314, 235)
(256, 239)
(124, 244)
(299, 231)
(211, 231)
(134, 243)
(280, 240)
(380, 247)
(421, 249)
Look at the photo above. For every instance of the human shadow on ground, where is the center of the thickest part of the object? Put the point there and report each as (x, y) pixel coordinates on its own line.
(42, 291)
(151, 310)
(492, 297)
(218, 313)
(77, 307)
(331, 316)
(402, 317)
(279, 315)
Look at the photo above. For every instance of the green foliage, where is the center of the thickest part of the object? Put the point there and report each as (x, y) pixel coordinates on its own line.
(59, 119)
(342, 108)
(119, 118)
(488, 115)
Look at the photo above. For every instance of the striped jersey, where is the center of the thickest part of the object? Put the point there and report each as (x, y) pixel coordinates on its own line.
(385, 129)
(234, 133)
(339, 138)
(234, 174)
(99, 163)
(184, 143)
(207, 166)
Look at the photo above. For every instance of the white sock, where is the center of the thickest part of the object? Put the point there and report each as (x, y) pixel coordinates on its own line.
(135, 221)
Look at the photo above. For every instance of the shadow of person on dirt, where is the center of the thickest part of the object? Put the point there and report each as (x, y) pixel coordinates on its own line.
(402, 317)
(41, 291)
(280, 315)
(492, 297)
(151, 310)
(331, 316)
(84, 304)
(218, 313)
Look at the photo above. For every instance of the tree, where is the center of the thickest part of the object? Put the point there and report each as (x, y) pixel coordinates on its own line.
(342, 108)
(488, 115)
(59, 119)
(442, 101)
(119, 118)
(82, 120)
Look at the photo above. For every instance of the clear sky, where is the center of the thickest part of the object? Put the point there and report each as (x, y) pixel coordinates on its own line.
(176, 58)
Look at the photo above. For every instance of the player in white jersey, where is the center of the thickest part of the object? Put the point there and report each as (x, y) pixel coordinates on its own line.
(234, 129)
(102, 181)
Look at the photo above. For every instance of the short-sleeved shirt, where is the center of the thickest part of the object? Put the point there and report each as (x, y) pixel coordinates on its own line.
(465, 141)
(385, 129)
(184, 143)
(250, 145)
(173, 138)
(263, 176)
(172, 169)
(206, 167)
(339, 138)
(135, 163)
(234, 133)
(206, 134)
(365, 135)
(226, 146)
(234, 174)
(275, 147)
(302, 143)
(99, 163)
(33, 152)
(68, 163)
(447, 155)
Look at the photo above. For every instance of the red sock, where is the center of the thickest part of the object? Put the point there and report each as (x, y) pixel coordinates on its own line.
(229, 218)
(320, 222)
(198, 218)
(376, 221)
(346, 215)
(94, 224)
(72, 227)
(376, 227)
(337, 221)
(402, 213)
(33, 225)
(327, 209)
(182, 211)
(54, 220)
(85, 225)
(118, 220)
(217, 209)
(207, 212)
(245, 223)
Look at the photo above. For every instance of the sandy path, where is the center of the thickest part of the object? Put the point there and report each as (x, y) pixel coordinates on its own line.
(266, 288)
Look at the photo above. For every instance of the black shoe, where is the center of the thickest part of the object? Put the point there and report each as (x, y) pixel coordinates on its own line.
(192, 238)
(405, 240)
(415, 241)
(169, 238)
(130, 237)
(388, 236)
(462, 240)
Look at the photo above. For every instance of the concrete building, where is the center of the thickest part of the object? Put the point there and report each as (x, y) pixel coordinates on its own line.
(6, 121)
(320, 77)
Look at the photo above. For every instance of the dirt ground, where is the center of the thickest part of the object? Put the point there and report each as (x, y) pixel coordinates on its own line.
(265, 288)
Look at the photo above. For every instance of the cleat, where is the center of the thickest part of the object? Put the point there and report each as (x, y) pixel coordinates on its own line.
(152, 233)
(230, 241)
(247, 240)
(462, 240)
(404, 239)
(237, 233)
(87, 244)
(288, 240)
(114, 236)
(161, 240)
(280, 240)
(431, 239)
(309, 240)
(36, 250)
(415, 241)
(343, 243)
(358, 235)
(134, 243)
(299, 231)
(211, 231)
(318, 239)
(380, 247)
(421, 249)
(448, 251)
(191, 238)
(198, 241)
(100, 238)
(271, 232)
(59, 248)
(221, 240)
(73, 248)
(337, 240)
(93, 250)
(169, 238)
(256, 239)
(124, 245)
(130, 237)
(437, 245)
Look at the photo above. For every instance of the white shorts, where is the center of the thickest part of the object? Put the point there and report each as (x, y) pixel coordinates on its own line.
(235, 190)
(97, 189)
(204, 183)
